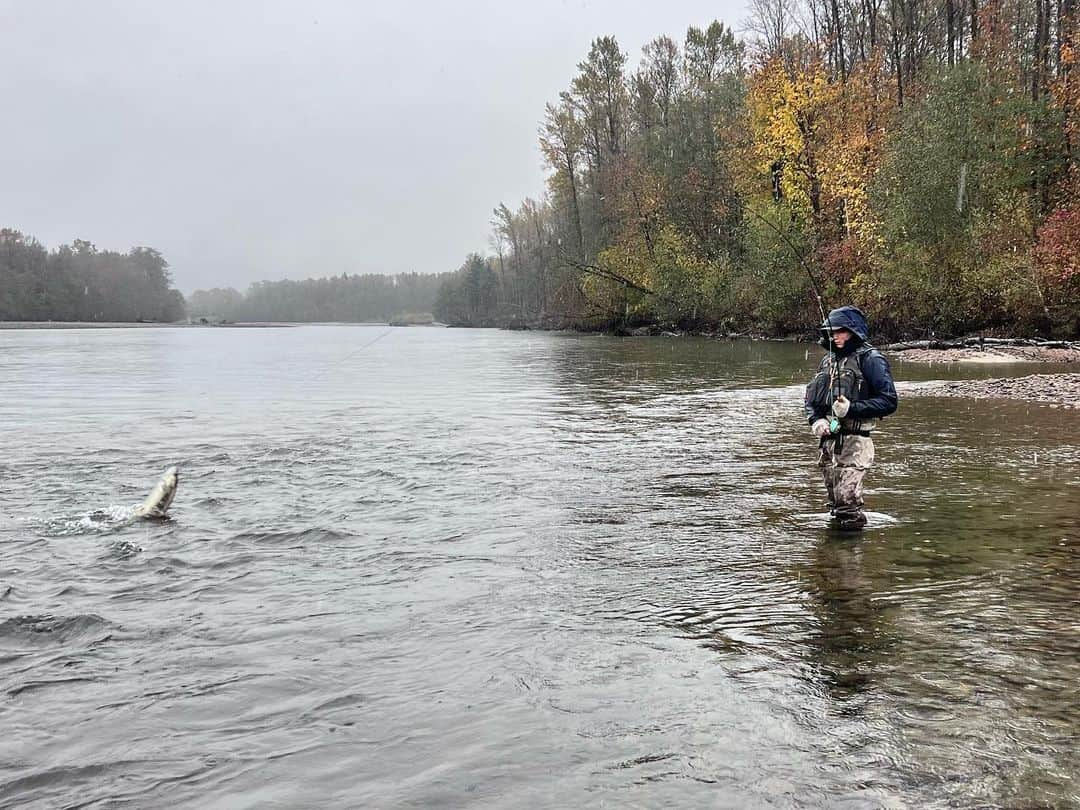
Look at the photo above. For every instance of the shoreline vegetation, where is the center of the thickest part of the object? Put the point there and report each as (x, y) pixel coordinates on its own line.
(79, 282)
(923, 167)
(369, 297)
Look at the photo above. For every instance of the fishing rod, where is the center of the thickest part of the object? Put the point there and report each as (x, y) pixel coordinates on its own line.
(802, 261)
(826, 319)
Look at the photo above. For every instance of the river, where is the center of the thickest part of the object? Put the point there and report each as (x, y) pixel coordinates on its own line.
(471, 568)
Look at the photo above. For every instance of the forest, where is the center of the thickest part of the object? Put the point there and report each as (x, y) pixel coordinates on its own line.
(78, 282)
(918, 158)
(356, 298)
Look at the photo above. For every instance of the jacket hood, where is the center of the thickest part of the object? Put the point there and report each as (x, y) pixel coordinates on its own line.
(850, 318)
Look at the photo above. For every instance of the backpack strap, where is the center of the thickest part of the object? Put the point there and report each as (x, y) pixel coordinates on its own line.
(861, 353)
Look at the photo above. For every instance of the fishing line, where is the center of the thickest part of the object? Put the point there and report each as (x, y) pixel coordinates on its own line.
(330, 366)
(826, 319)
(327, 368)
(802, 261)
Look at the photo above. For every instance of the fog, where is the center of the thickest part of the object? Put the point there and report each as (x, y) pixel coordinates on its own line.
(263, 140)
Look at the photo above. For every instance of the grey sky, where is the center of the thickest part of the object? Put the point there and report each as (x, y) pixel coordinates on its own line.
(263, 140)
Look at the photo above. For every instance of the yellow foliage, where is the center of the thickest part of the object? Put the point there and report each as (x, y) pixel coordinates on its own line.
(825, 136)
(785, 109)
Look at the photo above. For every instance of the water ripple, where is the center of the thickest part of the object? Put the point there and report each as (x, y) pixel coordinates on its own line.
(467, 561)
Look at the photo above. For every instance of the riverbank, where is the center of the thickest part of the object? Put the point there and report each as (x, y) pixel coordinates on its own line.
(1054, 390)
(988, 354)
(135, 325)
(984, 351)
(198, 325)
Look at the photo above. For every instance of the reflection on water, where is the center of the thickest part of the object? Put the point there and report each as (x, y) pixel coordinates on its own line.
(442, 568)
(854, 635)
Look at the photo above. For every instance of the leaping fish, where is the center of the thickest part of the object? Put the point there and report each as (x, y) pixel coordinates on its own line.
(159, 500)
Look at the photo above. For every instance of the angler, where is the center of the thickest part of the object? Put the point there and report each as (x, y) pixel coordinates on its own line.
(852, 390)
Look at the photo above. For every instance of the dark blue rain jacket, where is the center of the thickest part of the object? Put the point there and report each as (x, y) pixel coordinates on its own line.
(880, 399)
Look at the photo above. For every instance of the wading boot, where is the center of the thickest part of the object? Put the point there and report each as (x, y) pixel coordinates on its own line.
(851, 523)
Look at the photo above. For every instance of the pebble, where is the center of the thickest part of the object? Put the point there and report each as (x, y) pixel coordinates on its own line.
(1056, 390)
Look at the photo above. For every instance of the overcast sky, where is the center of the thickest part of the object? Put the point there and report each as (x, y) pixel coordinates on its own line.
(267, 139)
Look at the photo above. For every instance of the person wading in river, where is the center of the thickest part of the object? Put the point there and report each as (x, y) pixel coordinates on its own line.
(851, 391)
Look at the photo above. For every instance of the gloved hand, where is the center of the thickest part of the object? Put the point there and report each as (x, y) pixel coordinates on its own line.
(840, 407)
(820, 428)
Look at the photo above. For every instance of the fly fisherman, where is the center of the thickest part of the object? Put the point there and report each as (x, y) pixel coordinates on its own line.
(853, 388)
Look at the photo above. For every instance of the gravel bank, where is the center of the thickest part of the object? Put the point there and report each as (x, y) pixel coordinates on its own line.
(1056, 390)
(998, 354)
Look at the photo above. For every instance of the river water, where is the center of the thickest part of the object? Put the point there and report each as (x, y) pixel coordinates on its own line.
(441, 568)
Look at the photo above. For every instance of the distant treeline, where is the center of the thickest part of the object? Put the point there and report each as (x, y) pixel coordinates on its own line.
(922, 158)
(78, 282)
(347, 298)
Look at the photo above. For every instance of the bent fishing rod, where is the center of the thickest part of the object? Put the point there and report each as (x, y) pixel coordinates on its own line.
(826, 318)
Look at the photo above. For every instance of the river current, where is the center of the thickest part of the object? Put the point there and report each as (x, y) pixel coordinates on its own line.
(441, 568)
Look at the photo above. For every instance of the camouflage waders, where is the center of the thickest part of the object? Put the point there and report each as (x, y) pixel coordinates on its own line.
(843, 472)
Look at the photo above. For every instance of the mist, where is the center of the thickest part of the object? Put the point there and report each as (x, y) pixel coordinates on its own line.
(269, 140)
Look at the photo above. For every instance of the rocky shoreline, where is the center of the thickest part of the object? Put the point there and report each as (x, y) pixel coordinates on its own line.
(1054, 390)
(988, 354)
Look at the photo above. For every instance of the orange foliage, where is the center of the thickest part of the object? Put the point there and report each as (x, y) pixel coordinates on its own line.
(853, 133)
(1058, 248)
(842, 261)
(1066, 92)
